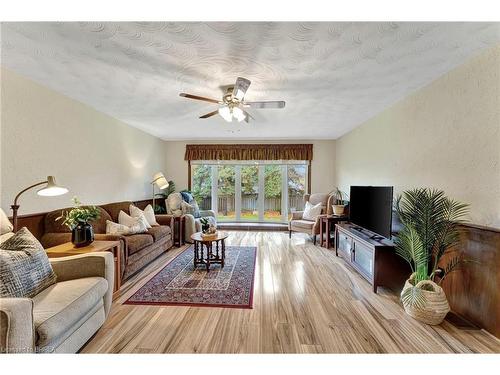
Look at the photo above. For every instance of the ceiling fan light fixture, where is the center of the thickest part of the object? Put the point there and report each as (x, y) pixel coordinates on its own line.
(239, 95)
(226, 114)
(238, 114)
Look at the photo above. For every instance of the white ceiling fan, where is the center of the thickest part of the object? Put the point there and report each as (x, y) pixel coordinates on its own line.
(233, 105)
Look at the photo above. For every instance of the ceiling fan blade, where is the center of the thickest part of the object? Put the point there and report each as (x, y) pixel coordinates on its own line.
(265, 105)
(248, 116)
(210, 114)
(196, 97)
(240, 88)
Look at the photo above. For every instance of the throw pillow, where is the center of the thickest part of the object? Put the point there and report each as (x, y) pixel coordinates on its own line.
(115, 228)
(187, 208)
(173, 203)
(150, 217)
(136, 224)
(25, 269)
(149, 213)
(196, 214)
(311, 212)
(5, 224)
(187, 196)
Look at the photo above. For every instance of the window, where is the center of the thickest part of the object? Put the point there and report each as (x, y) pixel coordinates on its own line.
(250, 191)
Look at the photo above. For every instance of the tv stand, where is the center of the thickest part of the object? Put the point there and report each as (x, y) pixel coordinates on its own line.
(374, 257)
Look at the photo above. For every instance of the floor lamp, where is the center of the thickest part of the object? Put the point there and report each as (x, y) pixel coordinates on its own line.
(50, 190)
(160, 181)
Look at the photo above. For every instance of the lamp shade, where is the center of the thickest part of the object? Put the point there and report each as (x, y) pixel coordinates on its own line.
(52, 189)
(160, 180)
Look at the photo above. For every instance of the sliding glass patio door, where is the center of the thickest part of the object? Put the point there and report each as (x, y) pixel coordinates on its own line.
(249, 191)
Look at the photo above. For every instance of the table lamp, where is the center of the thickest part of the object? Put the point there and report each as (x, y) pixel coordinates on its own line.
(51, 189)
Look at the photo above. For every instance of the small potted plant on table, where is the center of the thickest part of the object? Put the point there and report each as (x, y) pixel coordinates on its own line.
(339, 202)
(78, 220)
(431, 228)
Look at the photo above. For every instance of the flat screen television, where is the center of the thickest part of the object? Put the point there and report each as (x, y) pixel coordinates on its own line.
(370, 207)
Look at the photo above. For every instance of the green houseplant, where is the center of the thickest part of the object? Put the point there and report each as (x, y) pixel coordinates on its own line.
(339, 203)
(431, 228)
(78, 220)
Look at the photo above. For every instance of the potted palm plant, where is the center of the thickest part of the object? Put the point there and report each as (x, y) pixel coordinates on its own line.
(430, 229)
(339, 203)
(78, 220)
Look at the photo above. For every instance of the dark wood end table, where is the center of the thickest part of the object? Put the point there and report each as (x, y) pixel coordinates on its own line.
(201, 242)
(178, 235)
(325, 226)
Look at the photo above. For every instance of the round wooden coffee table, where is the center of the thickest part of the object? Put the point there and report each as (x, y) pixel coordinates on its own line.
(209, 257)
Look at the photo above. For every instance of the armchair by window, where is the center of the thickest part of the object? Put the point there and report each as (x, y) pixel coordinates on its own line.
(311, 227)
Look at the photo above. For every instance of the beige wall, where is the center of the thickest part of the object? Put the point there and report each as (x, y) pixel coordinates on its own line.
(321, 168)
(99, 158)
(446, 135)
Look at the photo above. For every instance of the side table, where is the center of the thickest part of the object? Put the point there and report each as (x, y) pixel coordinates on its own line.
(178, 235)
(67, 249)
(325, 227)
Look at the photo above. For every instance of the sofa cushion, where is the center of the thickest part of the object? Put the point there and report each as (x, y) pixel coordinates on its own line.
(57, 309)
(5, 224)
(159, 232)
(114, 209)
(56, 226)
(136, 242)
(306, 224)
(25, 269)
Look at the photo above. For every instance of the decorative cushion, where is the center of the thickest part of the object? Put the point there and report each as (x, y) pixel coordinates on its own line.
(311, 212)
(5, 224)
(5, 237)
(136, 224)
(187, 196)
(187, 208)
(25, 269)
(137, 212)
(149, 213)
(115, 228)
(196, 209)
(173, 203)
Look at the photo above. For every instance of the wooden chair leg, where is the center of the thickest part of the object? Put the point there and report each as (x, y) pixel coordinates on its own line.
(314, 239)
(289, 234)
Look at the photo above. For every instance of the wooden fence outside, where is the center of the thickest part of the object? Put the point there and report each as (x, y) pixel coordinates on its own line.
(249, 203)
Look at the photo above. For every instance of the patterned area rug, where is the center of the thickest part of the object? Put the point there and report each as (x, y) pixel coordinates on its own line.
(179, 283)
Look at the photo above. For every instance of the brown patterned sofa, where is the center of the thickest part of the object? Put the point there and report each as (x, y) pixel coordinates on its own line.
(137, 249)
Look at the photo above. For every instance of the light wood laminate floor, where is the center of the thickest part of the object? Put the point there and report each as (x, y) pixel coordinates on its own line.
(306, 300)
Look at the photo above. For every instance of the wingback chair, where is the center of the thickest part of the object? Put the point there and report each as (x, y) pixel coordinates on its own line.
(311, 227)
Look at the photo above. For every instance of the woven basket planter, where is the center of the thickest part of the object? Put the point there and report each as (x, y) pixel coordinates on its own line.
(436, 305)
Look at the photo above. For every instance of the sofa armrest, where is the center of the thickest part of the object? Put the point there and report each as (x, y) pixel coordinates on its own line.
(98, 264)
(204, 213)
(166, 220)
(17, 331)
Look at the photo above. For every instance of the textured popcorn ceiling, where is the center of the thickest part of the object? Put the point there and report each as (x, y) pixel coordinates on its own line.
(333, 76)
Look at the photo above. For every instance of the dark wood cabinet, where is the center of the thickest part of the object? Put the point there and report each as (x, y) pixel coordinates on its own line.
(374, 259)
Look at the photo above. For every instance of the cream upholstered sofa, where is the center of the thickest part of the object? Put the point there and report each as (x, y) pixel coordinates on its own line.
(298, 224)
(64, 316)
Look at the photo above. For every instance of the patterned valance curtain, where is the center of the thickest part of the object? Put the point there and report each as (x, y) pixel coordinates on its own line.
(249, 152)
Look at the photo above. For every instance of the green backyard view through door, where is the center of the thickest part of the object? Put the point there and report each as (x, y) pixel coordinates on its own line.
(253, 191)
